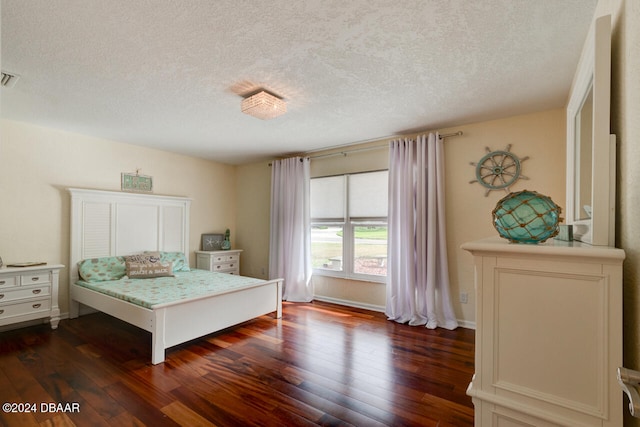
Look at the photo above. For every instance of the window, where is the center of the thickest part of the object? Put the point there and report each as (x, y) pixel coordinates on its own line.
(349, 225)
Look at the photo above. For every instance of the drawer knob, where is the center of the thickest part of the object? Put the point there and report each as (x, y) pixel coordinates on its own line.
(36, 305)
(1, 296)
(1, 311)
(2, 282)
(35, 279)
(37, 291)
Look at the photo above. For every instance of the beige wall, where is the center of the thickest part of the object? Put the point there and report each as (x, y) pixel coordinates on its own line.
(37, 165)
(625, 123)
(254, 202)
(540, 136)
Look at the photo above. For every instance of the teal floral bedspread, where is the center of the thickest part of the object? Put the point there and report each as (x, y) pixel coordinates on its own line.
(150, 293)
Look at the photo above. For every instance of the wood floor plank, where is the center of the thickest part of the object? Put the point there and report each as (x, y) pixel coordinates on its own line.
(126, 419)
(184, 416)
(154, 374)
(138, 406)
(320, 364)
(201, 403)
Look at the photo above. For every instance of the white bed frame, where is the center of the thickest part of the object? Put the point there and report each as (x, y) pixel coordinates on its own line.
(111, 223)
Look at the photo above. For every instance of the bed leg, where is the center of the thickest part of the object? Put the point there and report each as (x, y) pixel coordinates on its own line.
(157, 337)
(279, 299)
(157, 355)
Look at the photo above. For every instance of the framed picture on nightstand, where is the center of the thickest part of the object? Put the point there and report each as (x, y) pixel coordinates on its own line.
(212, 242)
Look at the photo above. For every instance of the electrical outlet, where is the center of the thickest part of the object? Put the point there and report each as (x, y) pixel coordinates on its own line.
(464, 297)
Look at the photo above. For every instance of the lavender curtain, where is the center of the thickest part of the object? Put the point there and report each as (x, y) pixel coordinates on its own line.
(290, 240)
(417, 272)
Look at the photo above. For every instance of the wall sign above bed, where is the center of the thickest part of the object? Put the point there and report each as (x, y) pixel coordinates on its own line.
(136, 182)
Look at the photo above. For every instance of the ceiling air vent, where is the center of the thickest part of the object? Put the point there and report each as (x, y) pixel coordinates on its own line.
(9, 80)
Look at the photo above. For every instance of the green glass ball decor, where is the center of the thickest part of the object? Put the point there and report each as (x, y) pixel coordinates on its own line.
(526, 217)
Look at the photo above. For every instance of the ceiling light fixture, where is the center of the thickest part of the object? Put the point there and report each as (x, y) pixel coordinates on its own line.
(264, 105)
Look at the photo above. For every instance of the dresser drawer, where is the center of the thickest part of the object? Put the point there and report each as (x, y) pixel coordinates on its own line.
(29, 293)
(23, 292)
(25, 308)
(8, 281)
(35, 278)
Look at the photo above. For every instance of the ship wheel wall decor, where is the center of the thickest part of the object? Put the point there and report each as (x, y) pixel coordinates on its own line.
(498, 170)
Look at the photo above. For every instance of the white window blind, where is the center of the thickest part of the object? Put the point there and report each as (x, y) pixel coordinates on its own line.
(368, 194)
(328, 197)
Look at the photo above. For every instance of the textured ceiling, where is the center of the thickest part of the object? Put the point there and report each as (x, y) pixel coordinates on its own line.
(171, 74)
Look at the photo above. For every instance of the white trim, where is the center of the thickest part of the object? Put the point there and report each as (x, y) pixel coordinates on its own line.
(593, 76)
(467, 324)
(348, 303)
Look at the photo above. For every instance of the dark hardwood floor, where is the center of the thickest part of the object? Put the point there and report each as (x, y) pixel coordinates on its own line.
(321, 364)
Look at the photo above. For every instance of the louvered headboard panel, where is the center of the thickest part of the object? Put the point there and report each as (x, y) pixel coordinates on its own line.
(112, 223)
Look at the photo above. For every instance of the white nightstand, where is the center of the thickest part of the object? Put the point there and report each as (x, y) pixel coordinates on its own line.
(220, 261)
(28, 293)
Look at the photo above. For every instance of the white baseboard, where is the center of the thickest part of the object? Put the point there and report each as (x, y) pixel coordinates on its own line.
(463, 323)
(467, 324)
(349, 303)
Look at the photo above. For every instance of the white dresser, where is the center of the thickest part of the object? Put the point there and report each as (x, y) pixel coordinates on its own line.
(548, 334)
(220, 261)
(28, 293)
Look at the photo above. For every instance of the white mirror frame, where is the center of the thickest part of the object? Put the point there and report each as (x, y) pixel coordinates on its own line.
(594, 72)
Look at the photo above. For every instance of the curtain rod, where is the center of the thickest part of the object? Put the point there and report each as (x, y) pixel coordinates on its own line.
(375, 147)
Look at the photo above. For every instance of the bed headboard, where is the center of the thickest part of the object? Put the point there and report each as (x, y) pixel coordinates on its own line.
(113, 223)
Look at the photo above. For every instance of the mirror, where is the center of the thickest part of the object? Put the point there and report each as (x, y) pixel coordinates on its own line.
(590, 148)
(583, 158)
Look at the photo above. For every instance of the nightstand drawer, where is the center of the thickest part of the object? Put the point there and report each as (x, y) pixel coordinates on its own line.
(226, 266)
(220, 261)
(25, 308)
(23, 292)
(34, 279)
(225, 258)
(8, 281)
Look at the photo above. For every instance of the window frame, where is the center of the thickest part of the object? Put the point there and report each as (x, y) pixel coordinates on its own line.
(349, 225)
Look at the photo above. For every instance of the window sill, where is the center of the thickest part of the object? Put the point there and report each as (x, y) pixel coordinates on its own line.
(342, 275)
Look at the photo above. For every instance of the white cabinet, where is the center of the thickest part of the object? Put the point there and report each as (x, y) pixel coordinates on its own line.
(29, 293)
(548, 334)
(220, 261)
